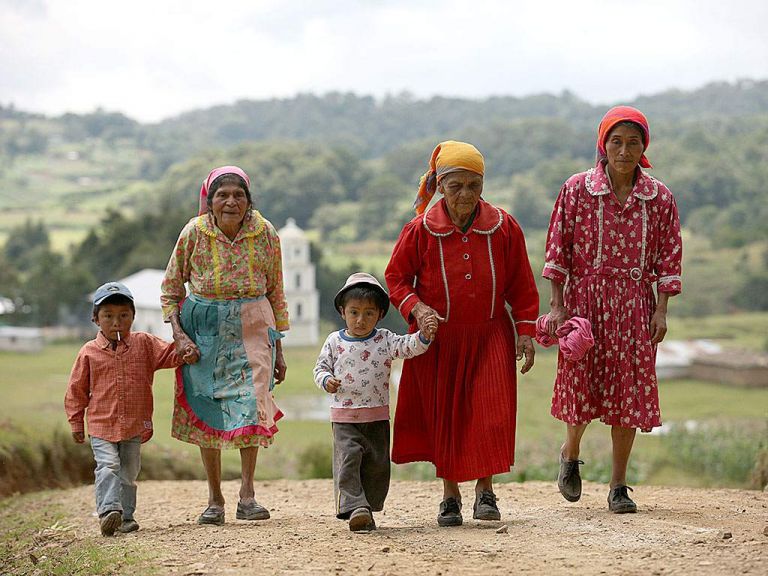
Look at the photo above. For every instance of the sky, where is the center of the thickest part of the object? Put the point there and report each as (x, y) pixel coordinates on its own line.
(153, 59)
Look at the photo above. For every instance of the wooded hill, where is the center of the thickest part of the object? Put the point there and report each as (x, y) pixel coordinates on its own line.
(112, 193)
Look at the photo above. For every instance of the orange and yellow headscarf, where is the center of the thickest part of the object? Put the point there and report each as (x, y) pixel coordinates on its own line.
(449, 156)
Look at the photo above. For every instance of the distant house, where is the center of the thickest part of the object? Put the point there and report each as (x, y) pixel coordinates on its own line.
(674, 358)
(300, 288)
(21, 339)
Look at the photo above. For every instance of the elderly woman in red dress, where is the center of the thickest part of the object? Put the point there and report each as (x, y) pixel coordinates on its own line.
(462, 262)
(614, 234)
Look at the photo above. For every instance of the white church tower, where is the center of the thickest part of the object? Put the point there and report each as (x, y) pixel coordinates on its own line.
(299, 284)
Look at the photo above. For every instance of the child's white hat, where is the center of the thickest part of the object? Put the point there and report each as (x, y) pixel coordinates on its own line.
(363, 278)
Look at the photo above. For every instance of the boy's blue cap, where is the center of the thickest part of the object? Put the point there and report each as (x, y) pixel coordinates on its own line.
(110, 289)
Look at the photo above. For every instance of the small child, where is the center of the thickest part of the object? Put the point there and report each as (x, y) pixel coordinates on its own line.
(354, 366)
(111, 383)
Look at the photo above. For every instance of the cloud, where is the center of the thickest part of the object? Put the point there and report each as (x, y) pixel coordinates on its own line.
(153, 59)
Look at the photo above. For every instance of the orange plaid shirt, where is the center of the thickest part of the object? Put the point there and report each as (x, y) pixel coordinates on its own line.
(113, 388)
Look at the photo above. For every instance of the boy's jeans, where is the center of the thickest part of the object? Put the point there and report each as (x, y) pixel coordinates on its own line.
(117, 466)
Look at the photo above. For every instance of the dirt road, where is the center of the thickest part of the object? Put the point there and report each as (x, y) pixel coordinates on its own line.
(677, 531)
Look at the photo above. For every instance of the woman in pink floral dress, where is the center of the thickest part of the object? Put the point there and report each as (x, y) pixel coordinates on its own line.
(614, 234)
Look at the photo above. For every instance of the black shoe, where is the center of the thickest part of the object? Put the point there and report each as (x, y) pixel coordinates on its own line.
(569, 479)
(361, 520)
(251, 511)
(450, 513)
(109, 522)
(212, 515)
(619, 501)
(485, 507)
(128, 526)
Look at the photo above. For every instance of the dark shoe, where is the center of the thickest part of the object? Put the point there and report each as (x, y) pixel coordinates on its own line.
(361, 520)
(485, 507)
(212, 515)
(128, 526)
(450, 513)
(251, 511)
(569, 479)
(109, 522)
(619, 501)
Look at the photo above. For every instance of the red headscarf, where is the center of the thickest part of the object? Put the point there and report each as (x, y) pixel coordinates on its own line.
(215, 173)
(623, 114)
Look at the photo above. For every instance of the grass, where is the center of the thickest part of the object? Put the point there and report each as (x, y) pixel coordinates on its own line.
(34, 387)
(36, 540)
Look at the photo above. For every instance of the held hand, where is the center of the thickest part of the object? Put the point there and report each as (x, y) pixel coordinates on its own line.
(421, 313)
(191, 355)
(658, 326)
(332, 385)
(557, 315)
(185, 347)
(280, 367)
(430, 328)
(525, 348)
(78, 437)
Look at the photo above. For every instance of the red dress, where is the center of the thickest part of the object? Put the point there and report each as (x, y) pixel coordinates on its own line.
(611, 256)
(456, 403)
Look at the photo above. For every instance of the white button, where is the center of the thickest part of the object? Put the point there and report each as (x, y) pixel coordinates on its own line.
(468, 276)
(464, 239)
(466, 256)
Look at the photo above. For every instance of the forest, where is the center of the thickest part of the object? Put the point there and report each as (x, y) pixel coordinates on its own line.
(88, 198)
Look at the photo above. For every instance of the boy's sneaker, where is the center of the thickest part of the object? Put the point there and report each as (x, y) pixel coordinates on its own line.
(361, 520)
(109, 522)
(128, 526)
(485, 507)
(450, 513)
(619, 501)
(569, 479)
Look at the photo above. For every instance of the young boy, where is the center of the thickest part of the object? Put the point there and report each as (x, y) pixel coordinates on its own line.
(111, 383)
(354, 366)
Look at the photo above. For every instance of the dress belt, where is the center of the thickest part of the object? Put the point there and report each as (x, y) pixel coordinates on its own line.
(635, 274)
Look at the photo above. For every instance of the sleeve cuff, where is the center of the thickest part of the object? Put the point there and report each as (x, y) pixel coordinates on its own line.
(526, 328)
(424, 339)
(408, 303)
(555, 272)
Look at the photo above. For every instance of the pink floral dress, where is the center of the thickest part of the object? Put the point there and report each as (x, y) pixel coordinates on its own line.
(610, 256)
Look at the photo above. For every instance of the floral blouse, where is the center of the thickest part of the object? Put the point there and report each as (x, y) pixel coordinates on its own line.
(222, 269)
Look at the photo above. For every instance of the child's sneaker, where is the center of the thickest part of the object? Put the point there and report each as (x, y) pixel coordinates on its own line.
(109, 522)
(128, 526)
(361, 520)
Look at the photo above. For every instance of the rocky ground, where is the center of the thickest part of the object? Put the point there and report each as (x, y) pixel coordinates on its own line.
(676, 531)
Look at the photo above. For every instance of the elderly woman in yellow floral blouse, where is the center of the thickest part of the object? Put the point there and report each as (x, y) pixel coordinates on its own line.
(230, 257)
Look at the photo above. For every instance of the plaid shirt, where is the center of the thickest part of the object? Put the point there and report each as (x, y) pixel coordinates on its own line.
(113, 388)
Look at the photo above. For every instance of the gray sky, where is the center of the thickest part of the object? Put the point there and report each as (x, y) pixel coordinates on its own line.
(156, 58)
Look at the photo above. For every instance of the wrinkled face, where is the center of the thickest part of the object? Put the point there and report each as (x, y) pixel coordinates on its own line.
(229, 205)
(360, 316)
(114, 318)
(624, 148)
(462, 190)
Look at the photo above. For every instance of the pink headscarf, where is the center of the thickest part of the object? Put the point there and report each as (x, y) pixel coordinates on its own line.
(623, 114)
(215, 173)
(574, 337)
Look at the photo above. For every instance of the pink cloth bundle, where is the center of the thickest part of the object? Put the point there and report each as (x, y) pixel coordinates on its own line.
(574, 337)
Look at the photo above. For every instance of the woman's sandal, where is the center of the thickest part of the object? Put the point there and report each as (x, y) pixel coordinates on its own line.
(212, 515)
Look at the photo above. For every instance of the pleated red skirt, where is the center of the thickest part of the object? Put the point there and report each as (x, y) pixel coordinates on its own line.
(456, 404)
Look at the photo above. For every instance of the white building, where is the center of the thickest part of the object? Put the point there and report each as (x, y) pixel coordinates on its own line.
(299, 284)
(21, 339)
(145, 287)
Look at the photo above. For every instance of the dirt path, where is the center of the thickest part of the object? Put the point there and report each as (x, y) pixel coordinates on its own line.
(678, 531)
